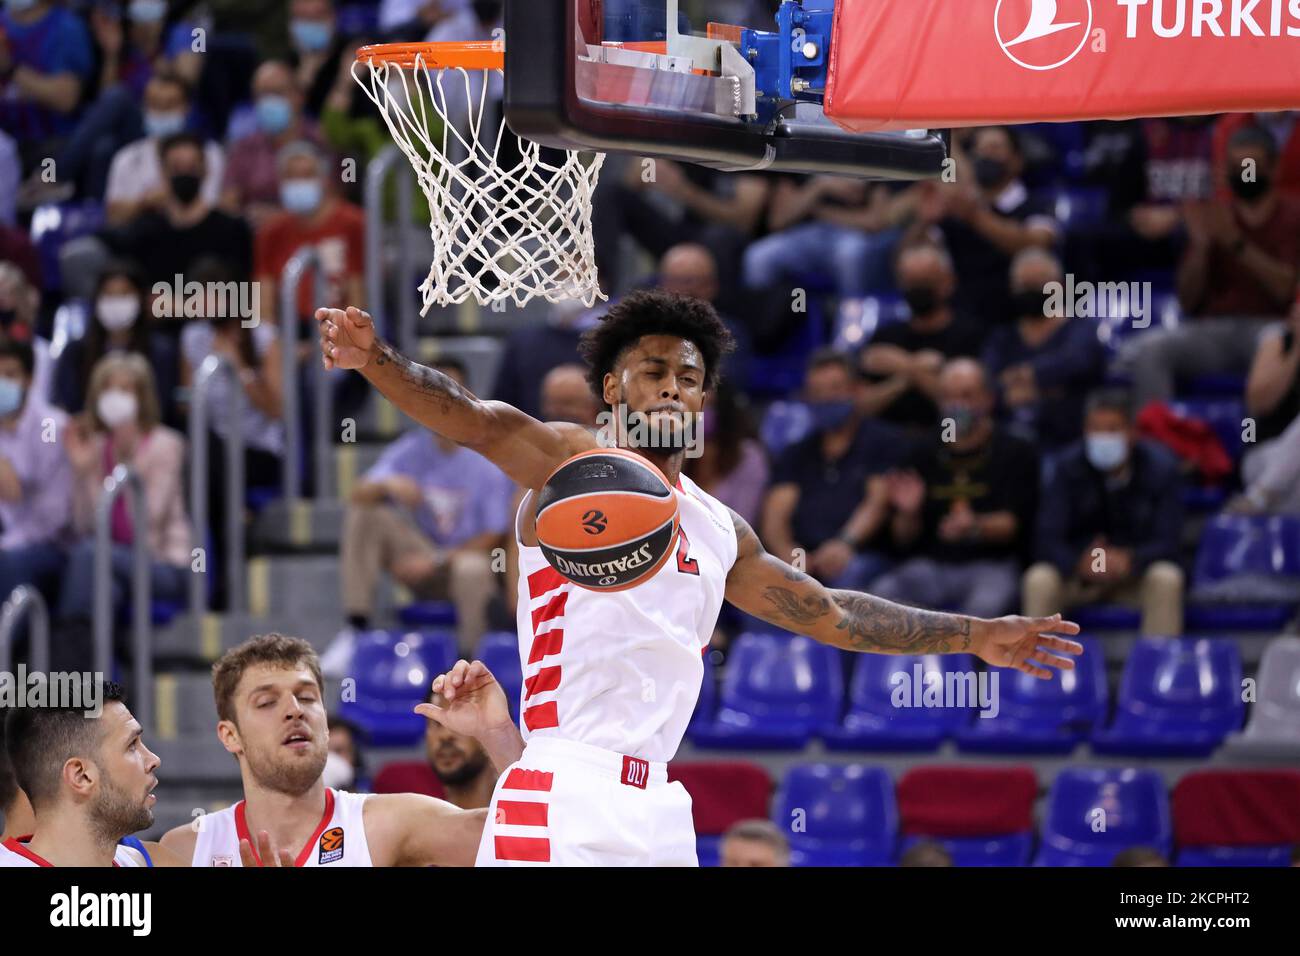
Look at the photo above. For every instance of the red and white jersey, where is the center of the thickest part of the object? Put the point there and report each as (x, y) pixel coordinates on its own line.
(622, 670)
(339, 839)
(14, 852)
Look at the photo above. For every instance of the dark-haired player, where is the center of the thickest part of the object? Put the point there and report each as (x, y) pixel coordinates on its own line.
(269, 696)
(15, 808)
(90, 781)
(611, 679)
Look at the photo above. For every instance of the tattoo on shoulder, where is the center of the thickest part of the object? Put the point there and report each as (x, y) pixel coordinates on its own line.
(874, 624)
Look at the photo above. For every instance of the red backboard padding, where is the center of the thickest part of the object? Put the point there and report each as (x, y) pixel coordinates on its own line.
(724, 792)
(944, 63)
(1237, 808)
(966, 801)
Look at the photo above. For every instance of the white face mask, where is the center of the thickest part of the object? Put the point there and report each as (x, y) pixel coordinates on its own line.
(117, 407)
(117, 312)
(338, 773)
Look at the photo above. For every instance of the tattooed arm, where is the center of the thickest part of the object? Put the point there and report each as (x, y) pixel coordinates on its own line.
(768, 588)
(524, 448)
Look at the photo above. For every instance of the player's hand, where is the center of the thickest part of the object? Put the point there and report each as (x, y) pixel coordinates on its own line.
(1023, 643)
(346, 337)
(266, 851)
(473, 702)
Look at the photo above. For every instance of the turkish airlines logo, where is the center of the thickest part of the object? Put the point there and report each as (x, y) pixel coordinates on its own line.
(1042, 34)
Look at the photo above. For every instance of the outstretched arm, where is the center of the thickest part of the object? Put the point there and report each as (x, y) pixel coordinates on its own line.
(524, 448)
(768, 588)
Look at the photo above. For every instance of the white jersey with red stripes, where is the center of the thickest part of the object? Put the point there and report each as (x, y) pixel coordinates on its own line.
(339, 838)
(622, 670)
(15, 852)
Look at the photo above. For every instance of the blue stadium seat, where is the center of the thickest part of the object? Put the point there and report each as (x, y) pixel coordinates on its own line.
(838, 815)
(1235, 856)
(429, 614)
(258, 498)
(1094, 812)
(784, 424)
(859, 319)
(1013, 850)
(358, 19)
(777, 691)
(1178, 696)
(393, 671)
(782, 371)
(1251, 561)
(162, 613)
(1117, 326)
(1078, 206)
(56, 224)
(1043, 716)
(875, 722)
(499, 650)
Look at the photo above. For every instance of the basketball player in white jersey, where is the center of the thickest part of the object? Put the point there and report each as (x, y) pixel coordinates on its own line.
(90, 782)
(269, 696)
(611, 679)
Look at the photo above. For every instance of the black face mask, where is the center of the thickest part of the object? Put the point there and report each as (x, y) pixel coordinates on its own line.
(1029, 304)
(922, 299)
(7, 317)
(185, 187)
(1249, 191)
(989, 172)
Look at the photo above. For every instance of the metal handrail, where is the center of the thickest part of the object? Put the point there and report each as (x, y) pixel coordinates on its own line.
(23, 599)
(401, 330)
(234, 440)
(308, 257)
(125, 479)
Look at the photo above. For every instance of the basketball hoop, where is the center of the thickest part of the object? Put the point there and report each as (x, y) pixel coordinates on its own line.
(506, 225)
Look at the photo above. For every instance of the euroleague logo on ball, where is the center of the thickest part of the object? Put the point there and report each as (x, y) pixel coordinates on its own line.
(594, 522)
(1042, 34)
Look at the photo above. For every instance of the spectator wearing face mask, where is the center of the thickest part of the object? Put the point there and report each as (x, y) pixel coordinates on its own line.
(903, 360)
(963, 513)
(122, 427)
(1109, 523)
(1044, 363)
(345, 764)
(828, 503)
(1238, 273)
(252, 184)
(316, 51)
(313, 216)
(35, 478)
(120, 321)
(168, 241)
(1283, 126)
(985, 218)
(20, 303)
(135, 179)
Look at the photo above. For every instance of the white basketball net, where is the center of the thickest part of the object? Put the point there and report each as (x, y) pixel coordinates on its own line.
(499, 233)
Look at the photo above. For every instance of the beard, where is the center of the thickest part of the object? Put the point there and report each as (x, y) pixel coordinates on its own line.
(118, 813)
(292, 776)
(471, 767)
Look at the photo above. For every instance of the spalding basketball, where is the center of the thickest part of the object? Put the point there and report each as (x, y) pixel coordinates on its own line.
(607, 519)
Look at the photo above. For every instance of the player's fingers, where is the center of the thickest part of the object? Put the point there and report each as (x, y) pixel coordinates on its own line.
(286, 859)
(1033, 671)
(1051, 660)
(430, 712)
(478, 673)
(357, 317)
(459, 671)
(265, 850)
(1054, 624)
(246, 856)
(1060, 644)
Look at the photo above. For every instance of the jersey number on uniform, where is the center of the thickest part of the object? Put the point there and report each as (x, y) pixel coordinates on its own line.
(685, 564)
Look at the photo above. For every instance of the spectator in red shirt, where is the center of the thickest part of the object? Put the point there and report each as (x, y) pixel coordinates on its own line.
(252, 187)
(312, 216)
(1284, 129)
(1239, 272)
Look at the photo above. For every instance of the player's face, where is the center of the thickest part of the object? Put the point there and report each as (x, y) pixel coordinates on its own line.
(282, 729)
(738, 852)
(454, 758)
(124, 801)
(661, 377)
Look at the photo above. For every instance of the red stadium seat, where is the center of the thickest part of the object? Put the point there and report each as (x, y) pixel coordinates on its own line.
(1237, 809)
(408, 776)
